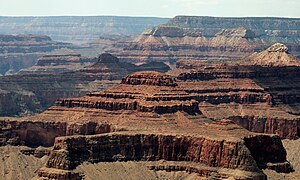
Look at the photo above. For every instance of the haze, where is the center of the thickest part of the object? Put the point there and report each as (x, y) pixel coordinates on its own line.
(158, 8)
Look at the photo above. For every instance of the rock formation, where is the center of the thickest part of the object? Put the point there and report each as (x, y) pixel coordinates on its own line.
(150, 117)
(59, 63)
(35, 89)
(239, 32)
(177, 43)
(268, 28)
(260, 93)
(22, 51)
(276, 55)
(209, 38)
(78, 28)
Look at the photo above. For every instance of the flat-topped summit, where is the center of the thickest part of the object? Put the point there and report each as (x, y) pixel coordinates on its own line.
(149, 78)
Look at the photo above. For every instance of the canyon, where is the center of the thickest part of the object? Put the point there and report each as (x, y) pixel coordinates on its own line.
(195, 97)
(78, 29)
(215, 39)
(35, 89)
(260, 93)
(22, 51)
(161, 121)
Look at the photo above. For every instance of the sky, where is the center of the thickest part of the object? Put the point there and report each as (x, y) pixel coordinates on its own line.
(151, 8)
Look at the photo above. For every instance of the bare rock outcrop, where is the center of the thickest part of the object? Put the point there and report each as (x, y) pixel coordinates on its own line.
(278, 47)
(59, 63)
(276, 55)
(152, 117)
(210, 38)
(261, 93)
(239, 32)
(55, 76)
(142, 92)
(149, 78)
(23, 50)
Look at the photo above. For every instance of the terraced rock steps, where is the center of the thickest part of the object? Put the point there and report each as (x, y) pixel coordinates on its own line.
(260, 93)
(155, 117)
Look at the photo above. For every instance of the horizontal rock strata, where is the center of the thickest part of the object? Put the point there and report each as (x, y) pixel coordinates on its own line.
(150, 147)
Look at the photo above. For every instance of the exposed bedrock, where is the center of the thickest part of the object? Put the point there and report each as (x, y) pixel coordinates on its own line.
(22, 51)
(268, 153)
(50, 173)
(285, 128)
(268, 28)
(39, 133)
(190, 107)
(31, 133)
(238, 97)
(59, 63)
(149, 78)
(70, 151)
(22, 102)
(242, 71)
(36, 88)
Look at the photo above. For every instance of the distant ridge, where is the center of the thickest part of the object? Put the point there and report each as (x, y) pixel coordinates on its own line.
(77, 28)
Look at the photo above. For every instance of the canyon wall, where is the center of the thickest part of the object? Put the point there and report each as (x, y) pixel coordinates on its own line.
(22, 51)
(62, 76)
(69, 152)
(40, 133)
(78, 28)
(285, 128)
(214, 38)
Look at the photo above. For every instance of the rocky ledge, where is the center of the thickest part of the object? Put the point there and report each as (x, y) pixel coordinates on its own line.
(260, 93)
(148, 121)
(22, 51)
(59, 63)
(149, 78)
(62, 76)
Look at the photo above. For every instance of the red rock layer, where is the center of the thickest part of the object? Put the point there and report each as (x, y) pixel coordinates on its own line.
(153, 147)
(40, 133)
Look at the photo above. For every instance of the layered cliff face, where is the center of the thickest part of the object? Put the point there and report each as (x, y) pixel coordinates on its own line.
(260, 93)
(177, 43)
(78, 28)
(284, 30)
(33, 93)
(54, 76)
(213, 38)
(140, 92)
(21, 51)
(149, 117)
(150, 147)
(59, 63)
